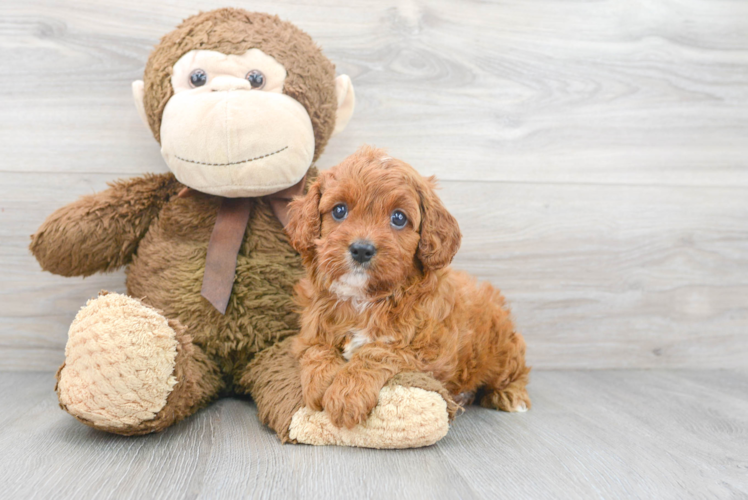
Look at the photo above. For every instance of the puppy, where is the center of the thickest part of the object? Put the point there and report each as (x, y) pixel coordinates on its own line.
(380, 299)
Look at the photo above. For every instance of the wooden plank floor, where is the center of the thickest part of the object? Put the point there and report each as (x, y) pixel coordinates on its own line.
(590, 434)
(594, 153)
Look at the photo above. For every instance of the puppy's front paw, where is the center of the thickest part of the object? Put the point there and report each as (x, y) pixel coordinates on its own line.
(348, 404)
(313, 392)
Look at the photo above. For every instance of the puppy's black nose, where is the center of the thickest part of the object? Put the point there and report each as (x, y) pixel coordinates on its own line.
(362, 251)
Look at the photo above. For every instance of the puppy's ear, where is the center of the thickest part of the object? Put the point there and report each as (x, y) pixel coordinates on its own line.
(304, 221)
(440, 233)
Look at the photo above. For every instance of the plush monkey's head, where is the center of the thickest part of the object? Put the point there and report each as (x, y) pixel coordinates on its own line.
(241, 102)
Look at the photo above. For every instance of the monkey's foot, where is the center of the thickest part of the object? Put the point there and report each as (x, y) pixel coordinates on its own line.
(119, 363)
(405, 417)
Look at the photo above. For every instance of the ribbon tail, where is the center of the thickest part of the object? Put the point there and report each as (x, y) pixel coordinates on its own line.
(223, 249)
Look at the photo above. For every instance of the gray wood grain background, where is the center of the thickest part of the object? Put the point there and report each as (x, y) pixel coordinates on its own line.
(629, 434)
(594, 152)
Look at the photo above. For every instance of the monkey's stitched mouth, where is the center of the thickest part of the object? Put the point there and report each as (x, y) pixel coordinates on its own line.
(233, 162)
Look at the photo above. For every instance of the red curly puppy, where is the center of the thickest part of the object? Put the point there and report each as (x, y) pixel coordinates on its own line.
(380, 299)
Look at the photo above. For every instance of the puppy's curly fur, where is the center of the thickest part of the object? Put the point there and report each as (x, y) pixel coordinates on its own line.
(402, 310)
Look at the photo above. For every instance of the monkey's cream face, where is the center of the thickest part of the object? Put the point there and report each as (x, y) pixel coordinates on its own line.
(229, 129)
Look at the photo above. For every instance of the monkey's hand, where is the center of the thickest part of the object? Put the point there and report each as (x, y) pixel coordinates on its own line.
(414, 410)
(100, 232)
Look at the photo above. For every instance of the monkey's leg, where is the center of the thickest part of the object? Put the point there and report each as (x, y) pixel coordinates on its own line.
(129, 370)
(414, 409)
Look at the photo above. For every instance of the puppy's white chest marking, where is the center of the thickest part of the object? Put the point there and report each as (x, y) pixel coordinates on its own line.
(352, 286)
(359, 339)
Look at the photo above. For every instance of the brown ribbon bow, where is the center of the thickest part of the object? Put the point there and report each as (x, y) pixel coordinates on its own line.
(227, 237)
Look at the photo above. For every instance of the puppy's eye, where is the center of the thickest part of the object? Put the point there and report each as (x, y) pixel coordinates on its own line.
(398, 219)
(340, 212)
(198, 78)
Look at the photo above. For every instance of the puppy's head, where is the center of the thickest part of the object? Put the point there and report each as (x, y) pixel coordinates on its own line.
(371, 222)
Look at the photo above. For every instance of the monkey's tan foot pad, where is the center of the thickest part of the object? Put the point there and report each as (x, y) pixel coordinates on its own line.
(405, 417)
(119, 363)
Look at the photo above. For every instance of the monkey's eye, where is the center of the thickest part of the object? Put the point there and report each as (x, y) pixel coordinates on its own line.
(398, 219)
(198, 78)
(256, 79)
(340, 212)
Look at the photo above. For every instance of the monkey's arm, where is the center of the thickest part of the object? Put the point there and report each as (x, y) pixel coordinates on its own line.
(101, 232)
(414, 408)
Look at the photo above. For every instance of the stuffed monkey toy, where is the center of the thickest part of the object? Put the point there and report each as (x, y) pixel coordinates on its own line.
(242, 105)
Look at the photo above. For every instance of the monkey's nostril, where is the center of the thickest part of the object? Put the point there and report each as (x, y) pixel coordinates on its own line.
(362, 251)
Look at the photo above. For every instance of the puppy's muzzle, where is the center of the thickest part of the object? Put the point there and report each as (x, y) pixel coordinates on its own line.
(362, 251)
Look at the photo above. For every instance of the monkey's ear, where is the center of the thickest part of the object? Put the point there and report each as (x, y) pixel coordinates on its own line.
(138, 92)
(346, 102)
(304, 224)
(440, 233)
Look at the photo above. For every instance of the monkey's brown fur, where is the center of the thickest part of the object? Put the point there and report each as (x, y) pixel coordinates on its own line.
(162, 238)
(414, 313)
